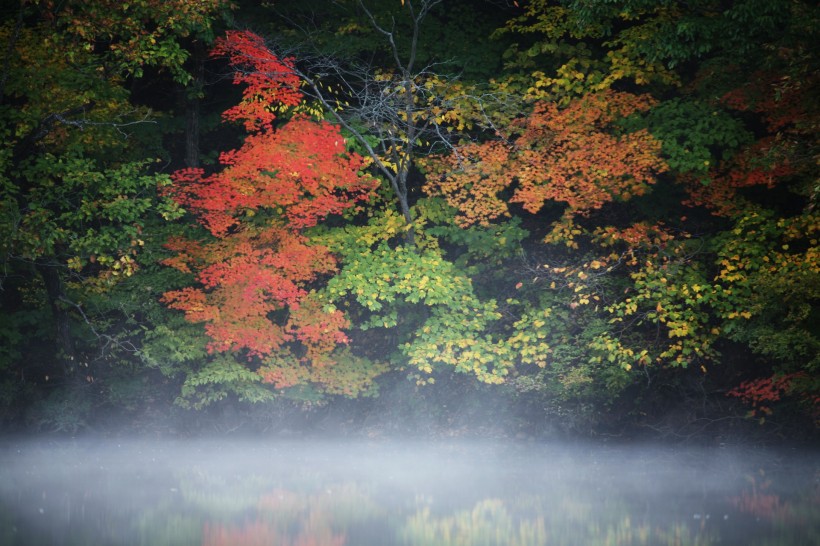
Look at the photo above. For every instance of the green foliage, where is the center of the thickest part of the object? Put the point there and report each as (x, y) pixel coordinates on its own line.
(66, 409)
(390, 284)
(384, 275)
(674, 33)
(79, 196)
(173, 344)
(457, 336)
(477, 250)
(134, 35)
(220, 377)
(89, 218)
(769, 281)
(694, 135)
(568, 52)
(427, 299)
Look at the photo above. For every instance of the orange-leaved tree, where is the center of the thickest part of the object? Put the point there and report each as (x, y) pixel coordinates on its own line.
(256, 270)
(570, 155)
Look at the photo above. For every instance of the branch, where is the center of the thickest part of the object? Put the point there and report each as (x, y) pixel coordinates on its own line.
(108, 341)
(65, 117)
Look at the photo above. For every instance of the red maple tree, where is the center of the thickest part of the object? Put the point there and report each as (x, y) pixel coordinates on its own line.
(255, 273)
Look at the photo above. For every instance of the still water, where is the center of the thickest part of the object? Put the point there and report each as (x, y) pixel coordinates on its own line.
(335, 493)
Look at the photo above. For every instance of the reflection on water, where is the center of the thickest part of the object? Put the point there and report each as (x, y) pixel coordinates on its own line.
(241, 493)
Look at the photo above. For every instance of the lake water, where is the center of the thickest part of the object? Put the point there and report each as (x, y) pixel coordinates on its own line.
(361, 493)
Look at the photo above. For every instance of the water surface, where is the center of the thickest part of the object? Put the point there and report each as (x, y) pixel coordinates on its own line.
(361, 493)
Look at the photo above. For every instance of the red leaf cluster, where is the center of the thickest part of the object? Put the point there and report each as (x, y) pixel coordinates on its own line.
(786, 107)
(301, 169)
(760, 392)
(765, 163)
(247, 277)
(269, 80)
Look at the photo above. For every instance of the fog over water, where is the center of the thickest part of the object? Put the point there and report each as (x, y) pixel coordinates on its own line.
(359, 492)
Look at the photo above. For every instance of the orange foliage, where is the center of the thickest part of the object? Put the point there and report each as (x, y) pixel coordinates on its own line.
(319, 331)
(640, 234)
(572, 155)
(479, 173)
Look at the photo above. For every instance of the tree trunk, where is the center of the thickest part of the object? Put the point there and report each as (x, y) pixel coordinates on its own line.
(404, 204)
(62, 319)
(193, 100)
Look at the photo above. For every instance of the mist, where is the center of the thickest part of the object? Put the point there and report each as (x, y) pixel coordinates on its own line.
(332, 491)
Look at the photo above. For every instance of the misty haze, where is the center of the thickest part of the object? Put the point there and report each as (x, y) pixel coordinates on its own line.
(368, 492)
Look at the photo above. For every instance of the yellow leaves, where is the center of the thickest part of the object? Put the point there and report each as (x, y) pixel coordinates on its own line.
(75, 263)
(643, 357)
(351, 28)
(564, 231)
(678, 329)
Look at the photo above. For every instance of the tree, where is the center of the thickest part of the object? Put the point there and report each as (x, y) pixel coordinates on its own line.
(76, 187)
(257, 273)
(569, 155)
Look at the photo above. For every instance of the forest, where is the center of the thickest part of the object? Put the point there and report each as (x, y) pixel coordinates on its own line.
(438, 217)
